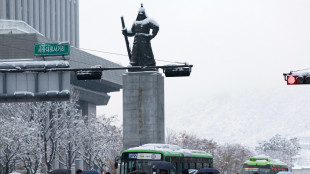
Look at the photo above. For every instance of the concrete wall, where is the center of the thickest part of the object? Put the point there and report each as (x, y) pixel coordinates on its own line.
(143, 108)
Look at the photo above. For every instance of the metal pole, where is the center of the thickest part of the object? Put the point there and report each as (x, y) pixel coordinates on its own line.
(89, 69)
(126, 39)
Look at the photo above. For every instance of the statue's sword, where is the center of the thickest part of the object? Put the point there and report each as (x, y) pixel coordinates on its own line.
(126, 40)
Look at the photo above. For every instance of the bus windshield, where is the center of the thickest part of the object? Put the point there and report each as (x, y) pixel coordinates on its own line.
(132, 165)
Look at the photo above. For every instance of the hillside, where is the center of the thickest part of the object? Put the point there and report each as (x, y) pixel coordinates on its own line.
(245, 117)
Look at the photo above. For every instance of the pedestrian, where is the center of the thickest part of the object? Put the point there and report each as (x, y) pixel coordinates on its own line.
(142, 54)
(162, 171)
(79, 171)
(107, 173)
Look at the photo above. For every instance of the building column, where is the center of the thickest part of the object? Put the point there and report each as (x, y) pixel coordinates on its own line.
(72, 23)
(68, 20)
(57, 21)
(24, 11)
(30, 13)
(36, 15)
(88, 108)
(77, 25)
(53, 19)
(12, 10)
(2, 9)
(18, 10)
(62, 14)
(47, 16)
(42, 16)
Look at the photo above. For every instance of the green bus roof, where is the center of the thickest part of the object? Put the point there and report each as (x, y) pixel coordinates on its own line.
(264, 160)
(169, 150)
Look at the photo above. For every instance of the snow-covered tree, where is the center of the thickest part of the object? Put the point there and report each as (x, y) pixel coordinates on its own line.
(18, 140)
(190, 141)
(171, 136)
(113, 147)
(48, 119)
(10, 142)
(31, 153)
(98, 135)
(281, 148)
(54, 121)
(69, 140)
(229, 158)
(35, 133)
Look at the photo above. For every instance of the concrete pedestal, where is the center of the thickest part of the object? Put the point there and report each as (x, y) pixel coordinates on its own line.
(143, 108)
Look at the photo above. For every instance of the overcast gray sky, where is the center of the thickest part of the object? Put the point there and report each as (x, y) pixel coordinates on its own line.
(234, 45)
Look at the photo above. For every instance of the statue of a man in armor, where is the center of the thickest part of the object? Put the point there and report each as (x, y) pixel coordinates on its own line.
(142, 54)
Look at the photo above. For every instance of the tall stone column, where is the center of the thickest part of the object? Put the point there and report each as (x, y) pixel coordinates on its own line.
(143, 108)
(3, 9)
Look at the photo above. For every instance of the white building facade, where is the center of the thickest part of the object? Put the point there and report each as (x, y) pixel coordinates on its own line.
(57, 20)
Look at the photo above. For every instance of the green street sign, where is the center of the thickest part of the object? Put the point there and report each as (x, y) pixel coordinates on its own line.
(51, 49)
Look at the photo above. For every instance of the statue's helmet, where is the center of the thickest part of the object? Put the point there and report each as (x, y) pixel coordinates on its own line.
(141, 14)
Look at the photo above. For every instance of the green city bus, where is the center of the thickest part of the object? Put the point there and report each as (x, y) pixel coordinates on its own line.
(263, 165)
(142, 157)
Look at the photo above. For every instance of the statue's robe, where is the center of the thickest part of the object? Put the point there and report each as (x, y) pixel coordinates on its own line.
(142, 54)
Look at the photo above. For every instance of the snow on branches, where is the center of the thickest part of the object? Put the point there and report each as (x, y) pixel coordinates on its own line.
(281, 148)
(41, 133)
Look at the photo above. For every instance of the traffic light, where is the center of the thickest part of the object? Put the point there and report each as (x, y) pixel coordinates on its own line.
(177, 72)
(297, 80)
(88, 74)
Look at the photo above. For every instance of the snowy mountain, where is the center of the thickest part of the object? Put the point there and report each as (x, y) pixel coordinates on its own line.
(244, 117)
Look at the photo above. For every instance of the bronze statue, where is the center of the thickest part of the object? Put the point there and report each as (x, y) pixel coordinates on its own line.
(142, 54)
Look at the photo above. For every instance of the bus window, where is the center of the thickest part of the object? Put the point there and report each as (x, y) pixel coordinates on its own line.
(123, 169)
(179, 167)
(126, 170)
(198, 165)
(175, 164)
(185, 165)
(132, 165)
(192, 166)
(205, 165)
